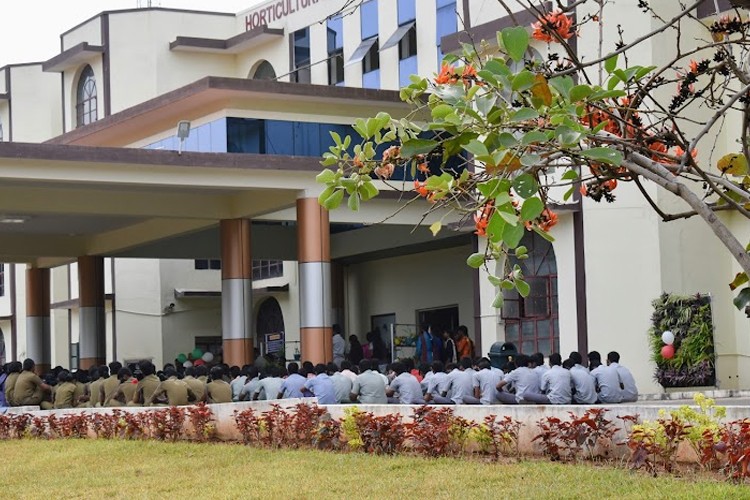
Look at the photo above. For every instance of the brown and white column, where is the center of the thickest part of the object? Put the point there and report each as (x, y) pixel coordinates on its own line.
(236, 292)
(38, 343)
(314, 257)
(91, 315)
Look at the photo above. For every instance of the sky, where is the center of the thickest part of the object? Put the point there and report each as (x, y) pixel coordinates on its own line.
(31, 28)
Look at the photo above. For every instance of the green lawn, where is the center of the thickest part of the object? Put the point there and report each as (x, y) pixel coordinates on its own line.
(135, 469)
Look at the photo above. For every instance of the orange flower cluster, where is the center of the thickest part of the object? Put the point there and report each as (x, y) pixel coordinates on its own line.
(385, 171)
(448, 74)
(554, 22)
(482, 218)
(421, 189)
(548, 220)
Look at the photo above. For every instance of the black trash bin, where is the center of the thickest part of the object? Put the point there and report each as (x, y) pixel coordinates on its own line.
(501, 353)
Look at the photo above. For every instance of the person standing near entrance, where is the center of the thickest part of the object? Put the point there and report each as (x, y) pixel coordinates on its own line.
(449, 348)
(464, 345)
(429, 346)
(339, 345)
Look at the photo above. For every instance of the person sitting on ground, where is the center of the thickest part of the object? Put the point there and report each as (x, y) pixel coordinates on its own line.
(460, 384)
(270, 384)
(339, 345)
(14, 370)
(81, 381)
(29, 389)
(342, 385)
(583, 383)
(252, 385)
(369, 387)
(198, 387)
(112, 383)
(172, 391)
(627, 382)
(126, 389)
(346, 370)
(464, 345)
(424, 373)
(218, 390)
(356, 353)
(405, 385)
(607, 380)
(65, 391)
(538, 359)
(239, 379)
(293, 383)
(437, 383)
(308, 369)
(321, 386)
(557, 383)
(485, 383)
(146, 386)
(201, 373)
(95, 382)
(524, 380)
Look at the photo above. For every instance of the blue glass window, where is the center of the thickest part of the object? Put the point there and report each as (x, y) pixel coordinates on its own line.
(301, 56)
(368, 13)
(335, 34)
(371, 80)
(335, 51)
(406, 68)
(407, 11)
(446, 22)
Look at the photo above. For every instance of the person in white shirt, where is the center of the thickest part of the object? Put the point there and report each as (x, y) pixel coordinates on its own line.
(435, 384)
(627, 382)
(607, 380)
(460, 386)
(485, 383)
(525, 380)
(406, 386)
(251, 385)
(539, 366)
(238, 382)
(346, 370)
(342, 385)
(339, 345)
(557, 383)
(583, 383)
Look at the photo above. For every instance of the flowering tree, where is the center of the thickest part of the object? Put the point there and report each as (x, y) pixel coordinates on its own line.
(498, 132)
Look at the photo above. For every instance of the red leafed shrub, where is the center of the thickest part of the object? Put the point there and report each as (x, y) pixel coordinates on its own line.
(168, 424)
(249, 426)
(433, 431)
(133, 425)
(38, 428)
(567, 439)
(278, 427)
(502, 435)
(734, 447)
(19, 424)
(381, 435)
(6, 426)
(74, 425)
(202, 419)
(105, 425)
(306, 421)
(654, 444)
(328, 434)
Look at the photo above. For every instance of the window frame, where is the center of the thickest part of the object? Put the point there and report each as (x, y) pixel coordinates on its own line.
(87, 110)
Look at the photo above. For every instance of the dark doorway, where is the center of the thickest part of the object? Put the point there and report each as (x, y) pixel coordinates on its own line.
(440, 318)
(270, 318)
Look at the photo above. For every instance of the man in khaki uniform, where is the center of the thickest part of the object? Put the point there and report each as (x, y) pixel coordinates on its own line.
(147, 385)
(80, 380)
(198, 387)
(10, 383)
(98, 375)
(218, 391)
(29, 389)
(64, 391)
(112, 383)
(125, 391)
(175, 391)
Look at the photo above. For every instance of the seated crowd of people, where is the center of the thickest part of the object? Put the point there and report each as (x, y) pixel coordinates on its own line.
(523, 380)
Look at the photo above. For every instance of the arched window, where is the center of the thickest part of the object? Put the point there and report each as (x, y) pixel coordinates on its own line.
(270, 318)
(86, 104)
(264, 71)
(532, 322)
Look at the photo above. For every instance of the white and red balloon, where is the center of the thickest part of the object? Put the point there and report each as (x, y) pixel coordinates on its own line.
(667, 337)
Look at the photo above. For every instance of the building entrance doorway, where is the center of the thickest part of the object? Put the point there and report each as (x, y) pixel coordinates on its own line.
(440, 318)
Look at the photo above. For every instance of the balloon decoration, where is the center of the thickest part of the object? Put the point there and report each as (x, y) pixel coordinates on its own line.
(187, 364)
(197, 353)
(207, 357)
(199, 362)
(667, 352)
(667, 337)
(181, 358)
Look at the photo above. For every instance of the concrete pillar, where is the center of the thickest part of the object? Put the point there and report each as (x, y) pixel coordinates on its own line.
(236, 292)
(314, 258)
(91, 315)
(38, 344)
(337, 295)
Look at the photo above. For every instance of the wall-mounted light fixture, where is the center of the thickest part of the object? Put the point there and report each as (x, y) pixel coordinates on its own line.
(183, 131)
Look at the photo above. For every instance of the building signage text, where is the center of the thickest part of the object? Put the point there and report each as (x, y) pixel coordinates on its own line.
(275, 11)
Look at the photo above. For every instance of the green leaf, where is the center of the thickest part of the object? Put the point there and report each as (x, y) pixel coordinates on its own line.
(497, 67)
(611, 63)
(544, 234)
(524, 114)
(414, 147)
(494, 280)
(327, 192)
(325, 176)
(570, 175)
(569, 193)
(604, 155)
(510, 219)
(507, 284)
(333, 201)
(531, 209)
(534, 136)
(738, 281)
(435, 227)
(523, 80)
(498, 302)
(523, 288)
(525, 185)
(741, 300)
(440, 111)
(475, 260)
(512, 235)
(580, 92)
(567, 136)
(516, 41)
(354, 202)
(476, 148)
(495, 228)
(563, 85)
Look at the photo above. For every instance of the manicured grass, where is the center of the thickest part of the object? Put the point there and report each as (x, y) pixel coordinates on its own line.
(136, 469)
